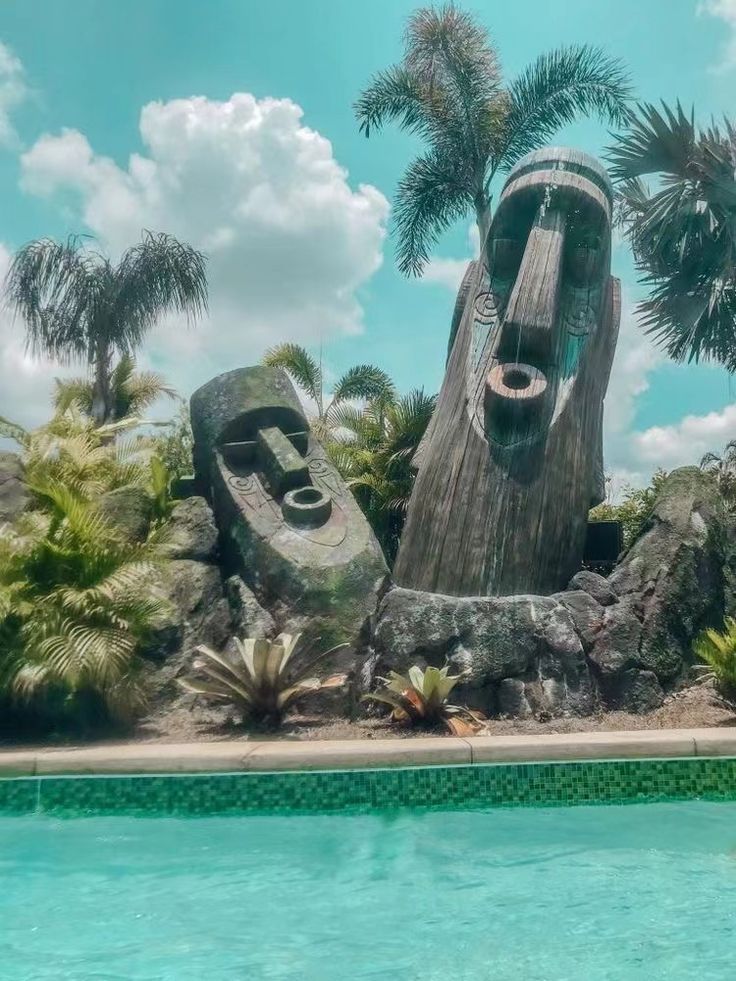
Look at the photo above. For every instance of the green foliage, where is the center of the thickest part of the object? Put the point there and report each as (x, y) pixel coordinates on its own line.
(78, 306)
(718, 650)
(723, 468)
(131, 391)
(263, 679)
(75, 596)
(361, 382)
(74, 603)
(373, 449)
(448, 90)
(420, 698)
(173, 444)
(634, 510)
(683, 233)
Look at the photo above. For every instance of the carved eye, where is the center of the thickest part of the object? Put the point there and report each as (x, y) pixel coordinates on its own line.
(506, 257)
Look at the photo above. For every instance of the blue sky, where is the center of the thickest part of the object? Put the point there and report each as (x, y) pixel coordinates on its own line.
(230, 123)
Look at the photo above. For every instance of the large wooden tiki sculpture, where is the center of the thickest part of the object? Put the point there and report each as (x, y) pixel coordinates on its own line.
(512, 460)
(288, 523)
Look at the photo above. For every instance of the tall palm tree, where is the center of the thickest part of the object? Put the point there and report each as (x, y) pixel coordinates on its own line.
(131, 391)
(683, 232)
(373, 449)
(78, 305)
(723, 468)
(448, 90)
(362, 382)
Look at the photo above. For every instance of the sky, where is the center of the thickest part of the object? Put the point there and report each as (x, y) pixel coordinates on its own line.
(230, 125)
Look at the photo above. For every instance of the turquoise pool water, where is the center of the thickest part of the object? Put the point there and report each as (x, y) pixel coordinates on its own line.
(585, 893)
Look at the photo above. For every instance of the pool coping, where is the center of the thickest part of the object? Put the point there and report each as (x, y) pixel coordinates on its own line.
(246, 756)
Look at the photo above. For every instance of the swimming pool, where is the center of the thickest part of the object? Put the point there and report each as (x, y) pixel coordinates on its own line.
(586, 892)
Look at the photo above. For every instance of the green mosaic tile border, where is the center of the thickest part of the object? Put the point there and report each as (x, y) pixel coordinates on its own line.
(523, 784)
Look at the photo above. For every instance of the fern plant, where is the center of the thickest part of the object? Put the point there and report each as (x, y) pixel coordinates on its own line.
(263, 679)
(75, 603)
(718, 650)
(419, 697)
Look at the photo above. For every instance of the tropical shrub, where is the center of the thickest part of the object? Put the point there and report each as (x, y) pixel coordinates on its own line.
(634, 509)
(419, 697)
(75, 597)
(131, 391)
(75, 603)
(373, 448)
(262, 679)
(718, 650)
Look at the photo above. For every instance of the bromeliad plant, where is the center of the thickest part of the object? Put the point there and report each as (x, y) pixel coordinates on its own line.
(718, 650)
(420, 698)
(262, 679)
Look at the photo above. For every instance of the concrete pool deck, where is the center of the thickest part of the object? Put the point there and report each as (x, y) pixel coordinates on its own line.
(280, 754)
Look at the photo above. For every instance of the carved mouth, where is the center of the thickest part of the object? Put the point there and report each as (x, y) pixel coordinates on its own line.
(514, 397)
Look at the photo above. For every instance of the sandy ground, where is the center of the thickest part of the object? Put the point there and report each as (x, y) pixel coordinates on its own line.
(697, 707)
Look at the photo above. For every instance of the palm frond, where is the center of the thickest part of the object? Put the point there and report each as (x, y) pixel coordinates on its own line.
(557, 88)
(302, 367)
(363, 381)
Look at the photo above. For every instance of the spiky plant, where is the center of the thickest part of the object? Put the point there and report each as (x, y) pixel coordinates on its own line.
(718, 650)
(419, 698)
(683, 231)
(361, 382)
(449, 91)
(723, 467)
(75, 602)
(131, 391)
(79, 306)
(262, 678)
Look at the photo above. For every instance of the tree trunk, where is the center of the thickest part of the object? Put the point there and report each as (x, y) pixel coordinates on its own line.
(102, 409)
(482, 218)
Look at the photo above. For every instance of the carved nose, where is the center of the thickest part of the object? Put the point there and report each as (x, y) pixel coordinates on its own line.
(531, 314)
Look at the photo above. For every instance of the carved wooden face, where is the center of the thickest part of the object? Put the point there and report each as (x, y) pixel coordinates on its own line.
(544, 293)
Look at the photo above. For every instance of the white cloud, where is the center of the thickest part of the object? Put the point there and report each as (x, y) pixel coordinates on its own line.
(13, 90)
(724, 10)
(685, 442)
(446, 272)
(289, 242)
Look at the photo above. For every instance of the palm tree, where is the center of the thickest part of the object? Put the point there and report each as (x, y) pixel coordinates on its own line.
(448, 90)
(723, 468)
(683, 233)
(78, 305)
(131, 391)
(362, 382)
(373, 449)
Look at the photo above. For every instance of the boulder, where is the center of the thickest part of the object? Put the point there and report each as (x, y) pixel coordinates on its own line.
(640, 692)
(586, 613)
(13, 492)
(249, 619)
(197, 611)
(130, 510)
(672, 579)
(596, 586)
(522, 653)
(192, 530)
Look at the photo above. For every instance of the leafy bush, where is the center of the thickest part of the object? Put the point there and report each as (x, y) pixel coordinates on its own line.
(74, 603)
(262, 679)
(75, 598)
(420, 698)
(718, 650)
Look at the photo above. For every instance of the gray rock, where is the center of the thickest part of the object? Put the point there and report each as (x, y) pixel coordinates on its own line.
(522, 652)
(512, 700)
(14, 495)
(130, 510)
(616, 647)
(192, 530)
(196, 611)
(586, 613)
(249, 619)
(596, 586)
(674, 573)
(640, 692)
